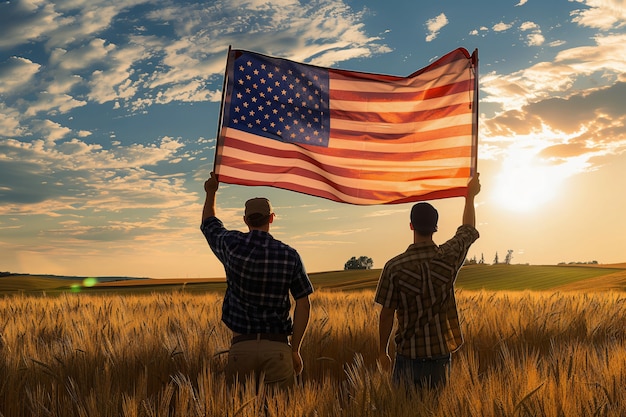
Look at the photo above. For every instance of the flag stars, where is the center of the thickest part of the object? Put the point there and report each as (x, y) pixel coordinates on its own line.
(277, 100)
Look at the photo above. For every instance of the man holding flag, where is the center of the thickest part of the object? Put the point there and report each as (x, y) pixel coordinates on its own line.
(261, 273)
(418, 287)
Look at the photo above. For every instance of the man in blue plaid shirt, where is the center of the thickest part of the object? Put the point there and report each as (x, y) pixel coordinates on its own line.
(261, 273)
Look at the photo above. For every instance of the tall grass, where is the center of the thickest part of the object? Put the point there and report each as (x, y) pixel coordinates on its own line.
(526, 354)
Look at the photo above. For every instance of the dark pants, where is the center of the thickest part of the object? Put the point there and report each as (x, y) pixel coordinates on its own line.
(424, 372)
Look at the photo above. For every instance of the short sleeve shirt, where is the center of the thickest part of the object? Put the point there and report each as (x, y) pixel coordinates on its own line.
(419, 285)
(261, 272)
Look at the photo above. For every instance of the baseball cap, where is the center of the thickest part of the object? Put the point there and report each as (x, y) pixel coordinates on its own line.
(258, 205)
(424, 218)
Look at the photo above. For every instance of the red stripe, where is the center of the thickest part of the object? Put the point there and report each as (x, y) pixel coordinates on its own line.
(384, 196)
(417, 137)
(402, 176)
(418, 95)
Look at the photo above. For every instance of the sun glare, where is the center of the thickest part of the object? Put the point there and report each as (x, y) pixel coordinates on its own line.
(523, 184)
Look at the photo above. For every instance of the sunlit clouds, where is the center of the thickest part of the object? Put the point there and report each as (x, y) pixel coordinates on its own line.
(435, 25)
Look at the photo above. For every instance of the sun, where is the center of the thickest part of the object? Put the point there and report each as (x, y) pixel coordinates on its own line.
(525, 184)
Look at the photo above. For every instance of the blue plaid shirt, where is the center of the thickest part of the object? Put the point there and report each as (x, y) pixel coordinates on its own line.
(261, 272)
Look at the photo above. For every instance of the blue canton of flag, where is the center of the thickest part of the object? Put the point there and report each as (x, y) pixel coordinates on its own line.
(280, 100)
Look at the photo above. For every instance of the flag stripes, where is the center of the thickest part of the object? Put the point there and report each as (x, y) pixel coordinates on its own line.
(376, 139)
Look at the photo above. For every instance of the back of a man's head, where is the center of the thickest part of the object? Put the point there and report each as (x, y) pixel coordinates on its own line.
(258, 212)
(424, 218)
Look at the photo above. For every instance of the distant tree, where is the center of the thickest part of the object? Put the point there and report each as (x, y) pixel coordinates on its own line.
(495, 260)
(508, 257)
(482, 259)
(363, 262)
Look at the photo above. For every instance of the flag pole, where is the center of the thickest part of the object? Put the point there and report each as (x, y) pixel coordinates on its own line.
(221, 117)
(475, 111)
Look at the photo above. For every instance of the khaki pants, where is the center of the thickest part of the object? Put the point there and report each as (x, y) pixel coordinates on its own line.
(256, 358)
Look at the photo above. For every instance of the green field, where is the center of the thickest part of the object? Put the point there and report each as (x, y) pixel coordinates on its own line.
(472, 277)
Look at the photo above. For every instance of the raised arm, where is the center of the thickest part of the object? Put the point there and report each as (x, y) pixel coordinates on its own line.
(210, 187)
(469, 212)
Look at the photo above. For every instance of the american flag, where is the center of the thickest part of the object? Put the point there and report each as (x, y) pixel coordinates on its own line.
(349, 136)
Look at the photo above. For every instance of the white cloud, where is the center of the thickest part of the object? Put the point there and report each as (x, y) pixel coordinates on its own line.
(535, 39)
(557, 43)
(528, 26)
(16, 72)
(601, 14)
(49, 130)
(501, 27)
(52, 104)
(10, 122)
(607, 58)
(82, 57)
(435, 25)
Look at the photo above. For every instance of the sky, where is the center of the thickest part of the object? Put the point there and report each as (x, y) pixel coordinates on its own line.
(109, 115)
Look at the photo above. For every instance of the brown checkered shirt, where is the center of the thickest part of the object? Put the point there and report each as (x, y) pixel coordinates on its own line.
(419, 285)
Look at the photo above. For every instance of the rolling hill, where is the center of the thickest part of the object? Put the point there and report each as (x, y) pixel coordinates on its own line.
(472, 277)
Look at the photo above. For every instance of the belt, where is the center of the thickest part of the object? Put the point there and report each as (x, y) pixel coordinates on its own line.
(273, 337)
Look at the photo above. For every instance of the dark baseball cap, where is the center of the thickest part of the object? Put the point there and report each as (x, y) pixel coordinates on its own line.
(258, 205)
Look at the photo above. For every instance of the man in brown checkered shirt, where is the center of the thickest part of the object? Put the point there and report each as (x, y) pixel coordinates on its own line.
(418, 287)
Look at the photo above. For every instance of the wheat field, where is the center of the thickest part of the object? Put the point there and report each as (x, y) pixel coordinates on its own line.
(163, 354)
